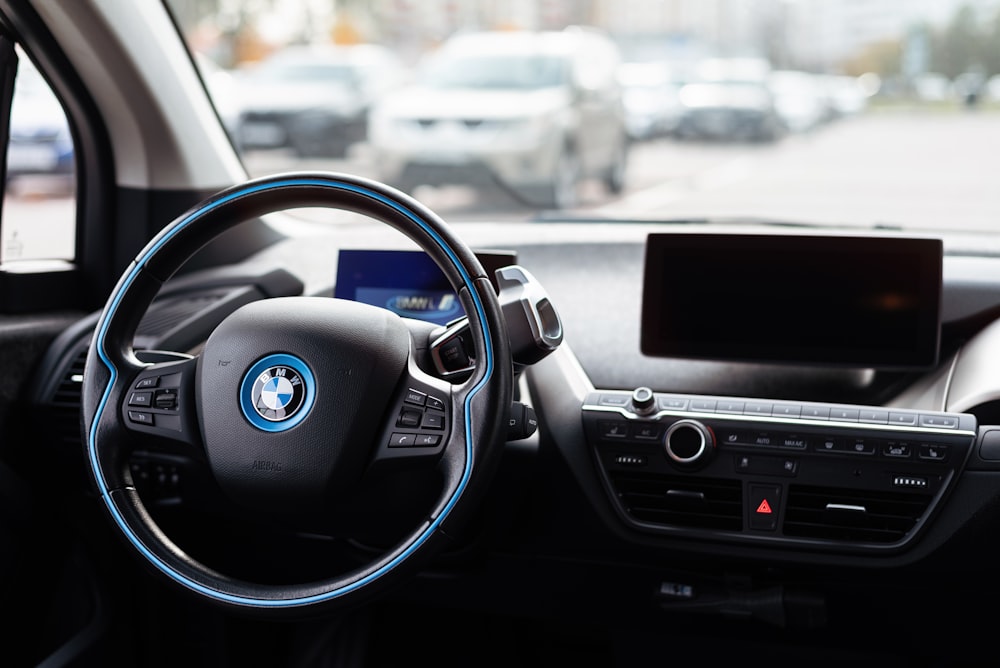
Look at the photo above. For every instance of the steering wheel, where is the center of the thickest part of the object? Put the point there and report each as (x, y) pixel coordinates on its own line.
(291, 399)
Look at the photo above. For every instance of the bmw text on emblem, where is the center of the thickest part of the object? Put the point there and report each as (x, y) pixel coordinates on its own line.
(277, 392)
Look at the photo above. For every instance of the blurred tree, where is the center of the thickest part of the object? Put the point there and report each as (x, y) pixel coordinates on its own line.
(884, 58)
(960, 46)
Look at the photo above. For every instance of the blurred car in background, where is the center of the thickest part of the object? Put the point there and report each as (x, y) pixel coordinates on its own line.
(40, 138)
(652, 105)
(800, 98)
(532, 112)
(313, 100)
(848, 95)
(730, 101)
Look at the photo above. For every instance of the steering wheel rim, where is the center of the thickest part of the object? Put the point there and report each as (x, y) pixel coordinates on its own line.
(479, 404)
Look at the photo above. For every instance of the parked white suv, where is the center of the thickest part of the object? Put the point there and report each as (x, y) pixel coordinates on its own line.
(532, 112)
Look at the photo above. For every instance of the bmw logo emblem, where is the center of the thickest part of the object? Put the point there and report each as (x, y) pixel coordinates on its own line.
(277, 392)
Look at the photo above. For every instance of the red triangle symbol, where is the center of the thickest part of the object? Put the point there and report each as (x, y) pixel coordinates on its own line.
(764, 508)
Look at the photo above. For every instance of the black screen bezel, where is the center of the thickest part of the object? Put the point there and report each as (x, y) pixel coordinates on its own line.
(662, 331)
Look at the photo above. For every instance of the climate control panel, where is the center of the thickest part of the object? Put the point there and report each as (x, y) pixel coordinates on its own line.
(826, 476)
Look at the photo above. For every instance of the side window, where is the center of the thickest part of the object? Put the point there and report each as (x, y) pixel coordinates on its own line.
(39, 207)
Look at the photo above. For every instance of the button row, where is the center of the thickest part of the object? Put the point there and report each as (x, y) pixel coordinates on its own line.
(149, 397)
(419, 411)
(792, 410)
(888, 448)
(406, 440)
(418, 398)
(619, 430)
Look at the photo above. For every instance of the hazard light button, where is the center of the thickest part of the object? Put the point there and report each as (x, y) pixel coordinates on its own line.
(764, 503)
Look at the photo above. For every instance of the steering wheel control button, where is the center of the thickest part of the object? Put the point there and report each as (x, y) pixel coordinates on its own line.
(409, 418)
(141, 417)
(434, 403)
(277, 392)
(401, 440)
(426, 440)
(146, 383)
(415, 397)
(165, 400)
(433, 420)
(141, 399)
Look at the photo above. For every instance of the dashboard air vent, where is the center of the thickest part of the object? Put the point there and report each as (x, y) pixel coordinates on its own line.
(854, 515)
(686, 502)
(65, 402)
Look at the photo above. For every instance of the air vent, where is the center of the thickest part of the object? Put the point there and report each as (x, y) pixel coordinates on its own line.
(853, 515)
(64, 406)
(684, 502)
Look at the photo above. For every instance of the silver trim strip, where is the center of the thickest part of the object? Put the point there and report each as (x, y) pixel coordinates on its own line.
(764, 419)
(844, 506)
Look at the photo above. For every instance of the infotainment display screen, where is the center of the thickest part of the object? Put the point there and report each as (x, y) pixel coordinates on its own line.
(854, 301)
(406, 282)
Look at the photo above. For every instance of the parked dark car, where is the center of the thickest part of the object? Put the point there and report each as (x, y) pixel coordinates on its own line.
(40, 139)
(730, 100)
(313, 100)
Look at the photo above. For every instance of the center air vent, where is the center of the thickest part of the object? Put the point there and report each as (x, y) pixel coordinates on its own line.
(681, 501)
(852, 514)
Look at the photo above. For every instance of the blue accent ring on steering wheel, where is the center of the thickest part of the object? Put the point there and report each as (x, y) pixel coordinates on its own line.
(277, 392)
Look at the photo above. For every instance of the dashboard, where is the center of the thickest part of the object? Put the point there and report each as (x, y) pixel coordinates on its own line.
(658, 478)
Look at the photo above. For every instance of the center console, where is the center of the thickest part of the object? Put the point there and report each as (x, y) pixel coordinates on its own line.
(819, 476)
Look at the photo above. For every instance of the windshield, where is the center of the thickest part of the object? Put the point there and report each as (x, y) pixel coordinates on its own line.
(877, 114)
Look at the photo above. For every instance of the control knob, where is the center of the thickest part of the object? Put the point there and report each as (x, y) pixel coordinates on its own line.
(689, 443)
(643, 401)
